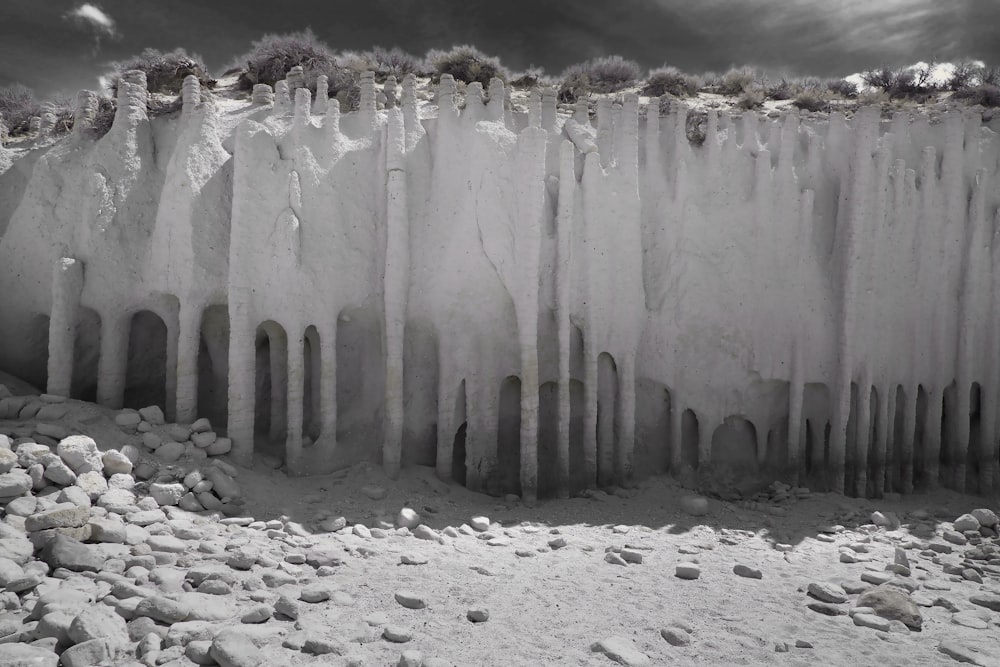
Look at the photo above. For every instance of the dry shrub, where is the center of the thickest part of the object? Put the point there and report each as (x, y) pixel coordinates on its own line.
(843, 87)
(393, 62)
(672, 81)
(870, 97)
(165, 72)
(736, 82)
(751, 99)
(17, 106)
(783, 90)
(599, 75)
(811, 100)
(986, 95)
(466, 63)
(270, 58)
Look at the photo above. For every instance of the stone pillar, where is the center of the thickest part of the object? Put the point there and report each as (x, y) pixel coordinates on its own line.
(188, 344)
(86, 111)
(190, 94)
(242, 379)
(111, 366)
(67, 284)
(328, 386)
(262, 95)
(296, 396)
(397, 283)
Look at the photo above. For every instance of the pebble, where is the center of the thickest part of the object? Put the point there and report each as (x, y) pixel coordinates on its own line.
(871, 621)
(966, 653)
(687, 571)
(410, 600)
(407, 518)
(676, 636)
(315, 593)
(614, 559)
(396, 634)
(622, 651)
(411, 659)
(747, 571)
(826, 608)
(827, 592)
(413, 559)
(478, 615)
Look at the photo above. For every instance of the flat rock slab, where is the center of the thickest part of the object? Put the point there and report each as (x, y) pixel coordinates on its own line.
(827, 592)
(410, 600)
(988, 600)
(687, 571)
(968, 654)
(622, 651)
(23, 655)
(65, 552)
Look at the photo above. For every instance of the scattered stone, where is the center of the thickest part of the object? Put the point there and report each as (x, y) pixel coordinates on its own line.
(826, 608)
(986, 517)
(231, 648)
(747, 571)
(676, 636)
(413, 559)
(410, 600)
(966, 522)
(315, 593)
(257, 614)
(614, 559)
(687, 571)
(622, 651)
(396, 634)
(411, 659)
(407, 518)
(871, 621)
(973, 655)
(801, 643)
(969, 619)
(478, 615)
(876, 578)
(988, 600)
(827, 592)
(480, 523)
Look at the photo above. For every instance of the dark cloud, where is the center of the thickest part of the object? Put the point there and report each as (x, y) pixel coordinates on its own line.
(801, 37)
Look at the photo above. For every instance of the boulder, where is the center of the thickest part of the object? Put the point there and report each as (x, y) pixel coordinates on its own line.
(893, 604)
(80, 453)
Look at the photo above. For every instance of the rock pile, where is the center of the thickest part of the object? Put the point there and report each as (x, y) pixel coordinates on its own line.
(959, 572)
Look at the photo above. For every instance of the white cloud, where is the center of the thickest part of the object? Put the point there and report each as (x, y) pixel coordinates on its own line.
(93, 19)
(88, 14)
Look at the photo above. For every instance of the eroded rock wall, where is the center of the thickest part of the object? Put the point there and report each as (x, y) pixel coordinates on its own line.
(533, 302)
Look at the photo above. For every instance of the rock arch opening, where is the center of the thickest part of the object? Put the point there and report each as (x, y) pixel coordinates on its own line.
(213, 365)
(86, 354)
(146, 365)
(734, 444)
(271, 389)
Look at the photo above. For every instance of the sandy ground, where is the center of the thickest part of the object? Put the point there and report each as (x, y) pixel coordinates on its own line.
(548, 608)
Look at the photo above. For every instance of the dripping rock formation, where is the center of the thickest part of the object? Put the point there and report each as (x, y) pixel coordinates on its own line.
(529, 298)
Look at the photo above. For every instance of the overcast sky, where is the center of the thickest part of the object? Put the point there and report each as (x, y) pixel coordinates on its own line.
(62, 46)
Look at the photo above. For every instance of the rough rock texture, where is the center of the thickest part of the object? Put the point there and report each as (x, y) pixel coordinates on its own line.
(517, 278)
